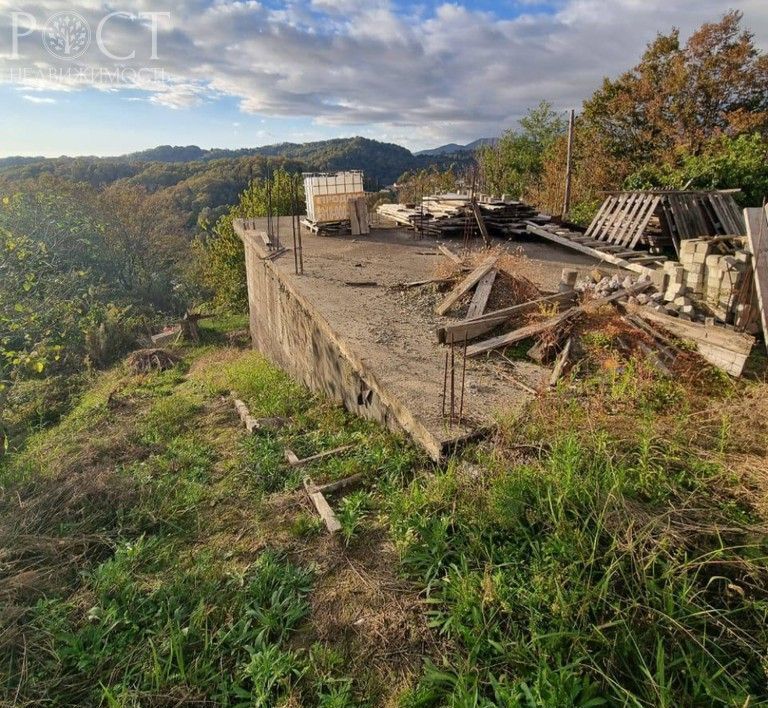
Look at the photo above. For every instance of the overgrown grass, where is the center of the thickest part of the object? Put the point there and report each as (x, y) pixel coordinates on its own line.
(618, 565)
(152, 579)
(607, 548)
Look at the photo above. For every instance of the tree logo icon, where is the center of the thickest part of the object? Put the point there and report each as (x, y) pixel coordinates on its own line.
(66, 35)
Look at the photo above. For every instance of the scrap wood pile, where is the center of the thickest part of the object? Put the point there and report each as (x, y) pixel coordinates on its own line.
(456, 215)
(556, 322)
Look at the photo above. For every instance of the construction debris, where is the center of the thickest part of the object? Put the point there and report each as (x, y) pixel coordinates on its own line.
(294, 461)
(466, 285)
(322, 506)
(538, 328)
(636, 261)
(722, 347)
(662, 219)
(317, 494)
(272, 423)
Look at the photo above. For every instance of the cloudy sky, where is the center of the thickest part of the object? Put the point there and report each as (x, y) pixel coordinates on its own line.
(102, 78)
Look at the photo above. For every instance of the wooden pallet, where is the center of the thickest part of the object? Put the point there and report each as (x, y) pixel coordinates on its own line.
(637, 261)
(624, 217)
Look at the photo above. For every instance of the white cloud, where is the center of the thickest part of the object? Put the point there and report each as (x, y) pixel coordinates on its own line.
(38, 99)
(454, 74)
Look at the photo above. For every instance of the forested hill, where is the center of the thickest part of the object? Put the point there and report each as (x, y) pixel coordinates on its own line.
(167, 165)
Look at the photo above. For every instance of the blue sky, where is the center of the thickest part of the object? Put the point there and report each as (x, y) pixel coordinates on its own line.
(245, 73)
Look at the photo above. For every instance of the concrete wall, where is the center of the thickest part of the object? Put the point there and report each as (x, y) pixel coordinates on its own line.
(290, 332)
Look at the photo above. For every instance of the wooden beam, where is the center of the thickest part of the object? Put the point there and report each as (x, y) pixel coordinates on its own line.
(466, 285)
(480, 222)
(294, 461)
(599, 255)
(561, 362)
(757, 238)
(482, 293)
(449, 254)
(339, 484)
(323, 507)
(471, 329)
(522, 333)
(722, 347)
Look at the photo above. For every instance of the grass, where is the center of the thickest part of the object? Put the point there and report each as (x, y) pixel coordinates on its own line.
(156, 574)
(607, 548)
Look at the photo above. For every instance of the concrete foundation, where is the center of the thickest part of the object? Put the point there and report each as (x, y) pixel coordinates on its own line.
(345, 329)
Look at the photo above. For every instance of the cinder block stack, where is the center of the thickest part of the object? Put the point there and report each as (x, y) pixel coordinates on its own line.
(709, 277)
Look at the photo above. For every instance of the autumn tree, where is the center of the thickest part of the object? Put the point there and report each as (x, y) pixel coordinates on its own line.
(680, 97)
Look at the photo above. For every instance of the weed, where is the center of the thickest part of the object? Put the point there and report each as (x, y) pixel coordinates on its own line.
(306, 525)
(353, 509)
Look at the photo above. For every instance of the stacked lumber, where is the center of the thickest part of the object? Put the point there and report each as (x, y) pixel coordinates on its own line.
(327, 228)
(455, 215)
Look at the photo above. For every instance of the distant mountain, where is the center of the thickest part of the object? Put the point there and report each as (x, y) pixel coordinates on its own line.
(200, 180)
(169, 165)
(454, 148)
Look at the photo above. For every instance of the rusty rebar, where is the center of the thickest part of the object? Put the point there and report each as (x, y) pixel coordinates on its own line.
(463, 379)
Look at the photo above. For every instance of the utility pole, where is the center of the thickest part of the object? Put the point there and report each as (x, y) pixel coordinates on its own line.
(568, 165)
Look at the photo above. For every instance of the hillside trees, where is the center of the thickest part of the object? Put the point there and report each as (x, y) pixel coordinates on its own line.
(81, 270)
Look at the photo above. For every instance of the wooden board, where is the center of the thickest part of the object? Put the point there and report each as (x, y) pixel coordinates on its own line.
(518, 335)
(323, 507)
(722, 347)
(470, 329)
(522, 333)
(757, 238)
(590, 250)
(466, 285)
(482, 293)
(448, 253)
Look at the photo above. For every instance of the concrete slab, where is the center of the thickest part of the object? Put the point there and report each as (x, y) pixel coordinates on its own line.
(346, 329)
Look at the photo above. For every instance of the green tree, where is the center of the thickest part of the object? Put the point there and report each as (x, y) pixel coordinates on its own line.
(218, 252)
(514, 165)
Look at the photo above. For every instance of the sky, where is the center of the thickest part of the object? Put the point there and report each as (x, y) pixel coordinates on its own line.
(104, 78)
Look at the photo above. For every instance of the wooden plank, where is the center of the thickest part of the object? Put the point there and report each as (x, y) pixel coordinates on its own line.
(724, 348)
(600, 216)
(354, 224)
(599, 255)
(626, 214)
(532, 330)
(757, 237)
(522, 333)
(448, 253)
(465, 285)
(603, 234)
(482, 293)
(643, 223)
(362, 215)
(472, 329)
(560, 362)
(339, 484)
(628, 230)
(294, 461)
(322, 507)
(480, 222)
